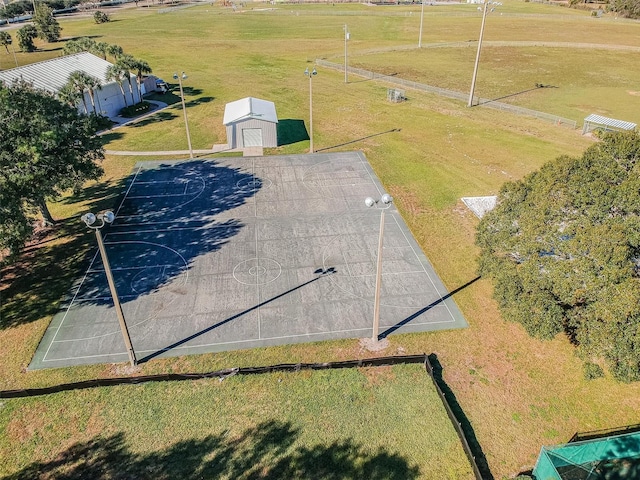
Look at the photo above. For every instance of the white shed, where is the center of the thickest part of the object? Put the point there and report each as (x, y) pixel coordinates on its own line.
(52, 75)
(251, 122)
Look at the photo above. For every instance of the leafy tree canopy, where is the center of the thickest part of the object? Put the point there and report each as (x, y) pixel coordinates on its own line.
(563, 250)
(26, 35)
(46, 25)
(46, 147)
(626, 8)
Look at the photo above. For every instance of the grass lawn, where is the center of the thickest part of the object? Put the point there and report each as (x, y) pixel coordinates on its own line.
(518, 393)
(377, 423)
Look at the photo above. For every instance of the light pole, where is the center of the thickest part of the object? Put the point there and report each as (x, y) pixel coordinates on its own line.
(475, 67)
(386, 200)
(108, 217)
(347, 35)
(310, 75)
(181, 77)
(421, 19)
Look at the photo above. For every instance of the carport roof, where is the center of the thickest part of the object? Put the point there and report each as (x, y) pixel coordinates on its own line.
(51, 75)
(250, 108)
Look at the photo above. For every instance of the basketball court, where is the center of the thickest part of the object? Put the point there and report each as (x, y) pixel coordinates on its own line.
(245, 252)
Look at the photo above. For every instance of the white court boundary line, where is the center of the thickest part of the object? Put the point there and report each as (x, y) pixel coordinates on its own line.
(204, 345)
(126, 195)
(185, 277)
(354, 176)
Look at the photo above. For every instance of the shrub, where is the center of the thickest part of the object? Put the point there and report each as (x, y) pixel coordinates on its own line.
(592, 371)
(101, 17)
(135, 110)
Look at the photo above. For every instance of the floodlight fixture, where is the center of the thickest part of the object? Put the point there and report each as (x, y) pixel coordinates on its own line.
(108, 216)
(89, 218)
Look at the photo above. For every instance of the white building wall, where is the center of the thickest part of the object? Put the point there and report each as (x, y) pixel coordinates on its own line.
(269, 132)
(109, 100)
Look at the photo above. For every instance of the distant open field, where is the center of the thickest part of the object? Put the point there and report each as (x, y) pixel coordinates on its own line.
(518, 393)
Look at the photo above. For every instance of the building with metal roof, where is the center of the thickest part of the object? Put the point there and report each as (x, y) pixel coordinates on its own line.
(251, 122)
(597, 122)
(51, 75)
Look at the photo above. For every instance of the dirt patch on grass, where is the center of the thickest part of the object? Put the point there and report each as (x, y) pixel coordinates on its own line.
(378, 375)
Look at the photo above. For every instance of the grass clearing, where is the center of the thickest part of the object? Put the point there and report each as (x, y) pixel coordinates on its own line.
(380, 423)
(518, 393)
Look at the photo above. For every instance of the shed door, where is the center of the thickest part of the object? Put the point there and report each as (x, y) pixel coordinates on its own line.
(252, 137)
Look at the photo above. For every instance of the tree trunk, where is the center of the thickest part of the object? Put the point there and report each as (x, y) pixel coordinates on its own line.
(93, 102)
(123, 95)
(47, 219)
(133, 99)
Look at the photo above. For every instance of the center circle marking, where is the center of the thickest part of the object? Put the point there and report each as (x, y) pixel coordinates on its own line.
(257, 271)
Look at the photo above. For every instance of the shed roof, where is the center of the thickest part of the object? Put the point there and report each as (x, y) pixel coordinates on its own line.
(609, 122)
(51, 75)
(250, 108)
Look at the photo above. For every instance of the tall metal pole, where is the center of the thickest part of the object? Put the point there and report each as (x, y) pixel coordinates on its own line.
(421, 19)
(184, 110)
(346, 37)
(310, 112)
(475, 67)
(376, 301)
(13, 49)
(116, 301)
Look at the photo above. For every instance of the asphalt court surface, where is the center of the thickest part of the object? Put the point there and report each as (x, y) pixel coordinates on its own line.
(244, 252)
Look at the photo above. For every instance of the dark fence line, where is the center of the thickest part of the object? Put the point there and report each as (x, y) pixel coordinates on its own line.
(606, 432)
(457, 425)
(284, 367)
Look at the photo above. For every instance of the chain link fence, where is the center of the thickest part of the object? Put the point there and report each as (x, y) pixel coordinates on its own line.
(484, 102)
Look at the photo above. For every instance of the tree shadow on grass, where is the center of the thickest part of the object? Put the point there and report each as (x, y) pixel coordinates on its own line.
(33, 285)
(291, 131)
(106, 138)
(266, 451)
(161, 116)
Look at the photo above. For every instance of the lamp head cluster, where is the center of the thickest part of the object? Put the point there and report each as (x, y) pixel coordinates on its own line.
(105, 217)
(183, 76)
(386, 199)
(310, 73)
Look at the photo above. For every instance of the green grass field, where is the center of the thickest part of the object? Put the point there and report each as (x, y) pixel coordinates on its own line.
(300, 425)
(518, 393)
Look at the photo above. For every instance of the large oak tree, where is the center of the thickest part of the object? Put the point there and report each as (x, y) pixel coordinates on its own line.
(46, 148)
(563, 250)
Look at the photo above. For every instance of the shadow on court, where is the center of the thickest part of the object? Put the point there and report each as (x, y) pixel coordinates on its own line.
(415, 315)
(164, 222)
(270, 450)
(318, 272)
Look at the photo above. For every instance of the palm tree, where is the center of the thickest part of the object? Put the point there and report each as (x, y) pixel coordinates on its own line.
(83, 81)
(80, 82)
(115, 51)
(140, 67)
(100, 48)
(119, 74)
(69, 95)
